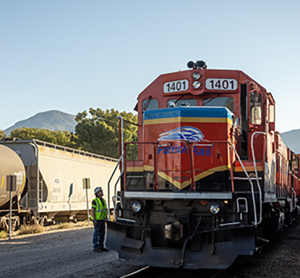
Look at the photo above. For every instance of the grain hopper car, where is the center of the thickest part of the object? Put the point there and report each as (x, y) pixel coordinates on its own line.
(51, 181)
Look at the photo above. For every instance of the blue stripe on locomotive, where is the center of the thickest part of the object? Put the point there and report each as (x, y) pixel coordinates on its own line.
(188, 112)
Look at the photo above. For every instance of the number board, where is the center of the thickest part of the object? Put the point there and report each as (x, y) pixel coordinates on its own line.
(221, 84)
(176, 86)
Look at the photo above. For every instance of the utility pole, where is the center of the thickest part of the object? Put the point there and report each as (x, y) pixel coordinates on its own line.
(87, 185)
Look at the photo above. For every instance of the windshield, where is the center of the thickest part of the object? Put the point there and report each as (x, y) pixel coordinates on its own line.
(219, 101)
(149, 104)
(183, 102)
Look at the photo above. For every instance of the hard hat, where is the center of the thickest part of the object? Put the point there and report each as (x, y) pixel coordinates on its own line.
(97, 189)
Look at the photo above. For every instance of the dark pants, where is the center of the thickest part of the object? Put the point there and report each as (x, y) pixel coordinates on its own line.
(99, 232)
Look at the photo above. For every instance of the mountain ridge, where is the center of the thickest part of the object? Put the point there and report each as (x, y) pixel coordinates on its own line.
(292, 139)
(52, 120)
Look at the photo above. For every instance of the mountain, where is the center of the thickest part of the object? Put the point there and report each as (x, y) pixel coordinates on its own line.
(53, 120)
(292, 139)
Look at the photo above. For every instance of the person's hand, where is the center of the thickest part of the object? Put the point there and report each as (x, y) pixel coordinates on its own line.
(95, 223)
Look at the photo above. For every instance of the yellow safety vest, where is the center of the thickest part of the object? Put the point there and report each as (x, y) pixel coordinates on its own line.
(100, 209)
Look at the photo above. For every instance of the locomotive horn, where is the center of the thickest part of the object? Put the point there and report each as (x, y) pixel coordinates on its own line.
(191, 65)
(201, 65)
(197, 65)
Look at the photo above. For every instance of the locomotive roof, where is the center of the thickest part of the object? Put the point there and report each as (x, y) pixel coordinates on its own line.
(54, 146)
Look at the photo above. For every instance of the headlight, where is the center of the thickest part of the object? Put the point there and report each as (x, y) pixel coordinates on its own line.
(136, 206)
(196, 85)
(196, 75)
(214, 209)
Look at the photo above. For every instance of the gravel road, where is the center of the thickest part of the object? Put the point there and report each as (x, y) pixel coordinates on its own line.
(67, 253)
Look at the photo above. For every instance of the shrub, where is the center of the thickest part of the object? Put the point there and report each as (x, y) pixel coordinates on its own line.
(64, 226)
(31, 229)
(3, 234)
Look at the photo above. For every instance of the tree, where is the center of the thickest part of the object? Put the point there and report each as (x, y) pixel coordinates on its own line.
(2, 134)
(58, 137)
(99, 133)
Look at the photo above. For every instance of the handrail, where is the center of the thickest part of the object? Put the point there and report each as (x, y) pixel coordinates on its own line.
(108, 184)
(121, 140)
(193, 185)
(155, 168)
(256, 175)
(187, 142)
(293, 199)
(252, 188)
(241, 163)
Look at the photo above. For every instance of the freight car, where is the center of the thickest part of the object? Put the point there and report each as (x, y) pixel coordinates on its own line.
(213, 179)
(12, 165)
(51, 181)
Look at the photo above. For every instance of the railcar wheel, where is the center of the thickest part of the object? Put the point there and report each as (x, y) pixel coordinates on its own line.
(24, 221)
(74, 220)
(42, 222)
(34, 220)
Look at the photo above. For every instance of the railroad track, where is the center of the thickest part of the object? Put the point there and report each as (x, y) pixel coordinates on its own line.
(147, 272)
(135, 272)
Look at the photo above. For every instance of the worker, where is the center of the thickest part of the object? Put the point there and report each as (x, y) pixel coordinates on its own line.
(99, 213)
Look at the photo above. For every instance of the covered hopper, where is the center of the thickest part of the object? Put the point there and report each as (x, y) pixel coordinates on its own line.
(10, 164)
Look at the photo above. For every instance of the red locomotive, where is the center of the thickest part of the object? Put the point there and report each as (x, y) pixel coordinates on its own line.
(213, 179)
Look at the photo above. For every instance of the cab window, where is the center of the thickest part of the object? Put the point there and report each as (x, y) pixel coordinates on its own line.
(182, 102)
(149, 104)
(271, 113)
(255, 108)
(219, 101)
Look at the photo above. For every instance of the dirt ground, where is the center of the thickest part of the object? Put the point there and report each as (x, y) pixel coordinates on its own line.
(280, 258)
(69, 253)
(58, 253)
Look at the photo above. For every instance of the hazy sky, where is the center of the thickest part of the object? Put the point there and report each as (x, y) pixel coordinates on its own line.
(71, 55)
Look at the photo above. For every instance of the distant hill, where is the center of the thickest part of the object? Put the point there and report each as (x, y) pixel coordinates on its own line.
(292, 139)
(52, 120)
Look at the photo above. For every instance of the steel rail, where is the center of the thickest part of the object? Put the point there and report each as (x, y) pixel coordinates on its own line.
(135, 272)
(217, 274)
